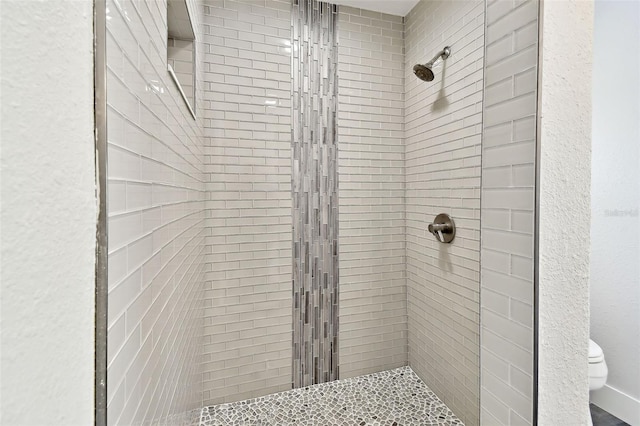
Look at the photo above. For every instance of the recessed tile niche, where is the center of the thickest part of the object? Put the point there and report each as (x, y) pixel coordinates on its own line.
(181, 51)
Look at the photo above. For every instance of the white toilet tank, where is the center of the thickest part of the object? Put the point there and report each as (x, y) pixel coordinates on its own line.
(597, 367)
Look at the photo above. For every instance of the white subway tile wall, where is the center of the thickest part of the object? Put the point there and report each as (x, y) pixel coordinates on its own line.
(373, 316)
(247, 128)
(443, 125)
(508, 181)
(156, 222)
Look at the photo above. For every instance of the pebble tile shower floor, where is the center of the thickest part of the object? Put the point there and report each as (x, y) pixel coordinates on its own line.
(395, 397)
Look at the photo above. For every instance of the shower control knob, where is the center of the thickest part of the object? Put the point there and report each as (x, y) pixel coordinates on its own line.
(443, 228)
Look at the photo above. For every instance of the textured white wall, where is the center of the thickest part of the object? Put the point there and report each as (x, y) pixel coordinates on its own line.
(615, 199)
(156, 224)
(508, 199)
(443, 127)
(373, 314)
(565, 138)
(48, 213)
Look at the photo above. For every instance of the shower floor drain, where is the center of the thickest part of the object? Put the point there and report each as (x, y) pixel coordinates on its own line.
(395, 397)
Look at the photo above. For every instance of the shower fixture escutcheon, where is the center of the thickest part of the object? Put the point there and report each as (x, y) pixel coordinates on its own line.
(425, 72)
(443, 228)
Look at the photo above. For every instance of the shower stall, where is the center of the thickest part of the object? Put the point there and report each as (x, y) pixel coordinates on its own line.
(273, 169)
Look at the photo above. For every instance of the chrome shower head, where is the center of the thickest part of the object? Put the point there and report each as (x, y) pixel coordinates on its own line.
(425, 72)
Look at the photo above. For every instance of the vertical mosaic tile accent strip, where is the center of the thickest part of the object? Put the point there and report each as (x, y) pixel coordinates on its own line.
(315, 192)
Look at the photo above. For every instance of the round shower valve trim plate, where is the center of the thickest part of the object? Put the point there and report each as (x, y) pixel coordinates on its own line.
(443, 228)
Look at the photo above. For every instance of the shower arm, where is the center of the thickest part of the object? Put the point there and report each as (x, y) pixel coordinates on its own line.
(444, 54)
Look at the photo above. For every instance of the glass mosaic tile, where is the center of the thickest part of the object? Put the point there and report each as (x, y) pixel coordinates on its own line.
(314, 156)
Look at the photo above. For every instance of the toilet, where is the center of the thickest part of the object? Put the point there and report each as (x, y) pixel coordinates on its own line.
(597, 370)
